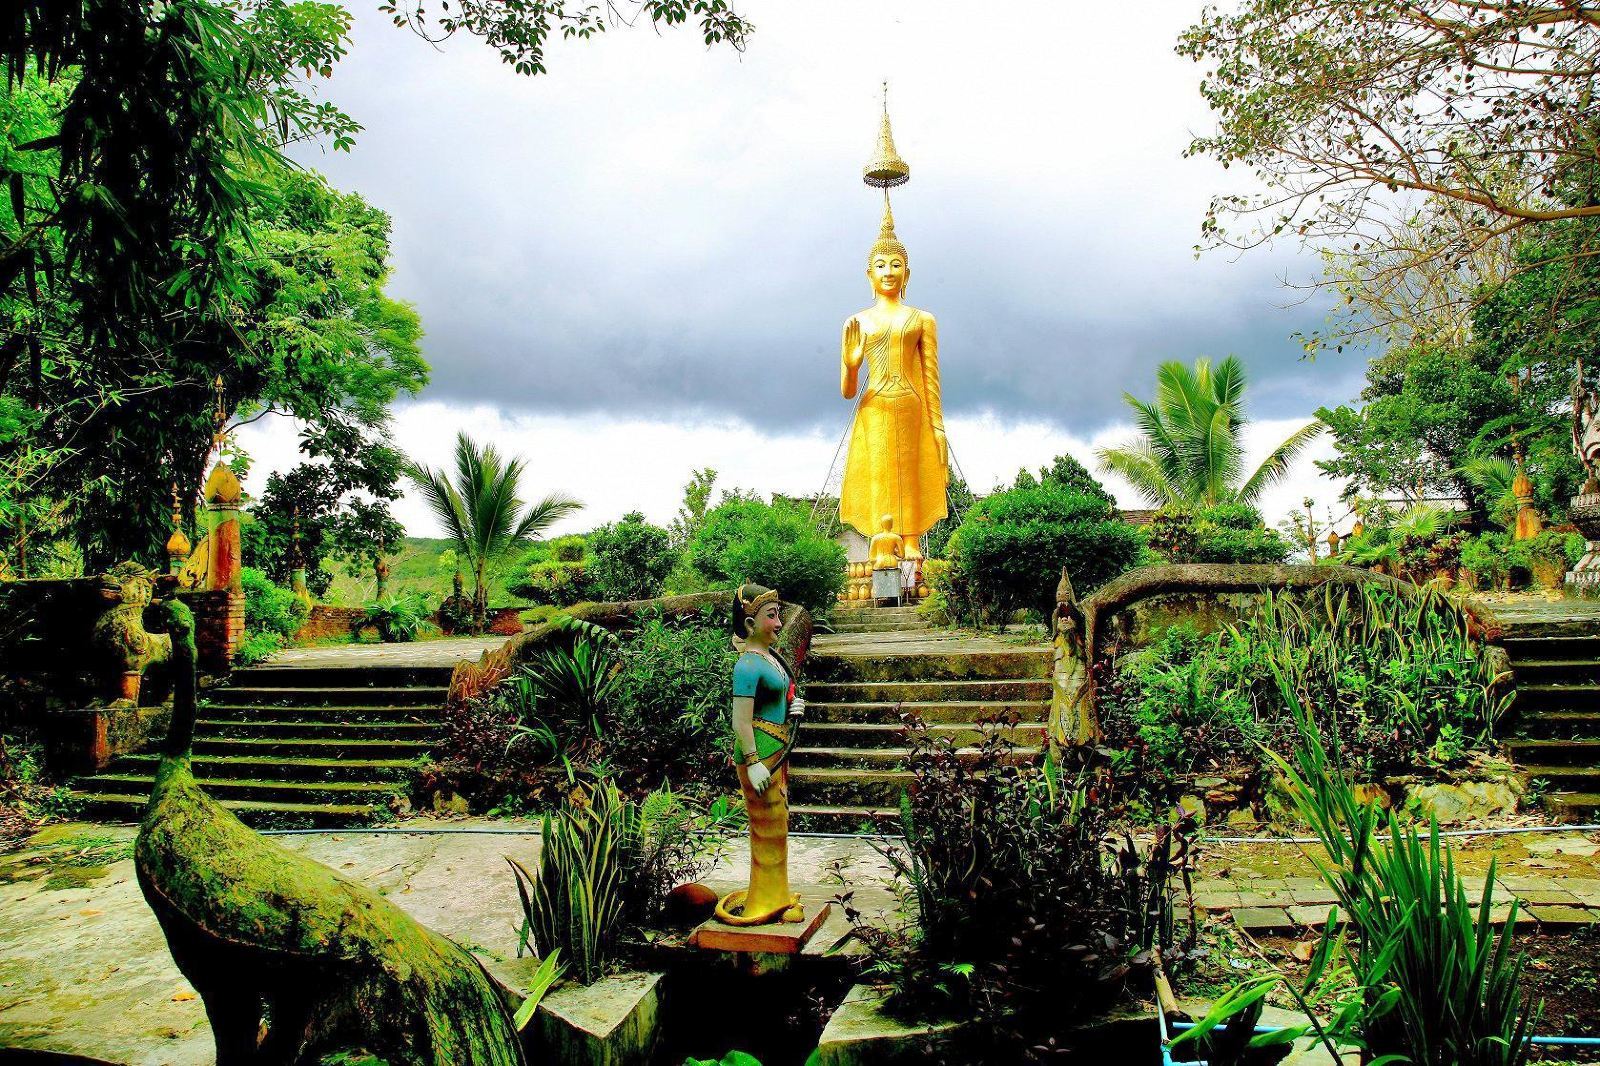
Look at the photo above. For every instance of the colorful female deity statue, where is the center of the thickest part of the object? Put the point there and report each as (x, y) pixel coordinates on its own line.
(765, 714)
(899, 457)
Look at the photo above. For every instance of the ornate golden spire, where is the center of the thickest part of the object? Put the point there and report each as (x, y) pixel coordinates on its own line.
(887, 169)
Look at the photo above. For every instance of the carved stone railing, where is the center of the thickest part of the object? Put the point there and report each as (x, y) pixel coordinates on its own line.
(1084, 630)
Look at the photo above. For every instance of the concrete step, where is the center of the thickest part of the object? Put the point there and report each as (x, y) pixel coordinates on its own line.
(269, 791)
(111, 807)
(865, 758)
(943, 712)
(432, 696)
(279, 768)
(1537, 697)
(315, 730)
(1573, 806)
(955, 664)
(836, 786)
(1026, 690)
(322, 714)
(893, 735)
(302, 677)
(314, 748)
(1555, 752)
(1559, 724)
(857, 610)
(882, 627)
(1564, 776)
(826, 818)
(1545, 648)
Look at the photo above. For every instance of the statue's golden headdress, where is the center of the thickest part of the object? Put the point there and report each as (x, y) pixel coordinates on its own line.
(886, 171)
(748, 598)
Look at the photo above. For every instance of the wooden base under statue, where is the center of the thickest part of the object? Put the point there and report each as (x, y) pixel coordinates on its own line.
(778, 938)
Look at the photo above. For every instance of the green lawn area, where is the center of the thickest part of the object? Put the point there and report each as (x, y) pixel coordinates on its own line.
(415, 568)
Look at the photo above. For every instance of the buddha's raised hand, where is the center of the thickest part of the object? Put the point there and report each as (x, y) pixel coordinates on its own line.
(852, 342)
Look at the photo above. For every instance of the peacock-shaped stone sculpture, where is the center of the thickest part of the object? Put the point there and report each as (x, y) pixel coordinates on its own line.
(295, 963)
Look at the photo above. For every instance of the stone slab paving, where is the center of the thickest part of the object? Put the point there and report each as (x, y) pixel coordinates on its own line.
(928, 642)
(446, 651)
(84, 969)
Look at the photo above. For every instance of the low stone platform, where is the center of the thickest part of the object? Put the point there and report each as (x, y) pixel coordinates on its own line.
(84, 969)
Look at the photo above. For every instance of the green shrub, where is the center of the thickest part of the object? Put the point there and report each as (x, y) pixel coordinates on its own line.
(576, 677)
(397, 619)
(632, 559)
(270, 608)
(1009, 551)
(605, 867)
(1484, 557)
(1397, 680)
(670, 707)
(772, 544)
(272, 616)
(554, 584)
(1226, 533)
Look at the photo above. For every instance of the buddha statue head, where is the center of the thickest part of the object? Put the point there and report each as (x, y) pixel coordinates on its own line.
(888, 265)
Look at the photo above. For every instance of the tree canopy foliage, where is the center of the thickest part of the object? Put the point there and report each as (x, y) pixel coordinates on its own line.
(1469, 110)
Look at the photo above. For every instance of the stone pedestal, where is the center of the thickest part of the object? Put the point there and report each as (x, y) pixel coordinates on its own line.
(778, 938)
(1584, 511)
(887, 584)
(218, 626)
(84, 740)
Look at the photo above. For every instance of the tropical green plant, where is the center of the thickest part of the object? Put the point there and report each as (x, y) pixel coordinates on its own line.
(606, 864)
(576, 678)
(1226, 533)
(481, 511)
(272, 616)
(632, 559)
(1430, 979)
(398, 619)
(1397, 679)
(1191, 452)
(776, 545)
(547, 974)
(1008, 552)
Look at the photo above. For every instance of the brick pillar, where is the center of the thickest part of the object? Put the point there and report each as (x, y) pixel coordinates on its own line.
(218, 626)
(223, 498)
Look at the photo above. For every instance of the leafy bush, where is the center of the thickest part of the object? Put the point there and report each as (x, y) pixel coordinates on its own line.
(1023, 896)
(1396, 680)
(775, 545)
(606, 865)
(1430, 980)
(397, 619)
(671, 702)
(272, 616)
(632, 559)
(270, 608)
(1226, 533)
(1009, 551)
(576, 677)
(1484, 557)
(554, 583)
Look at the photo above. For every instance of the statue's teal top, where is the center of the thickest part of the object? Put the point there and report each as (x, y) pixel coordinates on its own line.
(766, 683)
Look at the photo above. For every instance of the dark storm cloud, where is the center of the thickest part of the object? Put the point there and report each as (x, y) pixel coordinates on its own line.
(654, 231)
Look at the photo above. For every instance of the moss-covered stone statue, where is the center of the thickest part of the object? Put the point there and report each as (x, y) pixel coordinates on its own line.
(294, 962)
(125, 648)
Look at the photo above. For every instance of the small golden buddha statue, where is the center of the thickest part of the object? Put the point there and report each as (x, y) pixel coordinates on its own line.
(887, 548)
(899, 457)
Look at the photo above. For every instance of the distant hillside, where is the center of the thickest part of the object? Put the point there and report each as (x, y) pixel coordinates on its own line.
(416, 567)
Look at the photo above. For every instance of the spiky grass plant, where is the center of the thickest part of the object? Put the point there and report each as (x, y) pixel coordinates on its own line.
(1431, 982)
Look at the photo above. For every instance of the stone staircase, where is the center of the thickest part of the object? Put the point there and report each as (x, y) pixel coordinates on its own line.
(295, 745)
(848, 766)
(1557, 715)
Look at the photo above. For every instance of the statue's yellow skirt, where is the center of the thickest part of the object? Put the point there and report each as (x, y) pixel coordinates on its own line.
(893, 467)
(768, 898)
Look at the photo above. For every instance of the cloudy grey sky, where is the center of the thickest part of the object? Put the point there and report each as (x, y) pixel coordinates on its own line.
(623, 265)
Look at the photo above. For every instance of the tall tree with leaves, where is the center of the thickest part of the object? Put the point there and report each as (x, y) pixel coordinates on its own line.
(481, 511)
(1190, 453)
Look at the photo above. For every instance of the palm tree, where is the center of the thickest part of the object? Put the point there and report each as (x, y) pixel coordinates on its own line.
(1190, 454)
(481, 511)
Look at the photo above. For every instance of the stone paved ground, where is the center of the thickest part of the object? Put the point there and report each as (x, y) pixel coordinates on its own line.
(445, 651)
(84, 969)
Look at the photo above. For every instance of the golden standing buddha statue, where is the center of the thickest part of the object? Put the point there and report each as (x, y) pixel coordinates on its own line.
(899, 458)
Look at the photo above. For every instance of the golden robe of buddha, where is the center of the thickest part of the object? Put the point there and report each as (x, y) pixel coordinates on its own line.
(899, 457)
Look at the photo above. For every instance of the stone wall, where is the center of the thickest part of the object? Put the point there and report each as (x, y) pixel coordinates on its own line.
(218, 626)
(326, 623)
